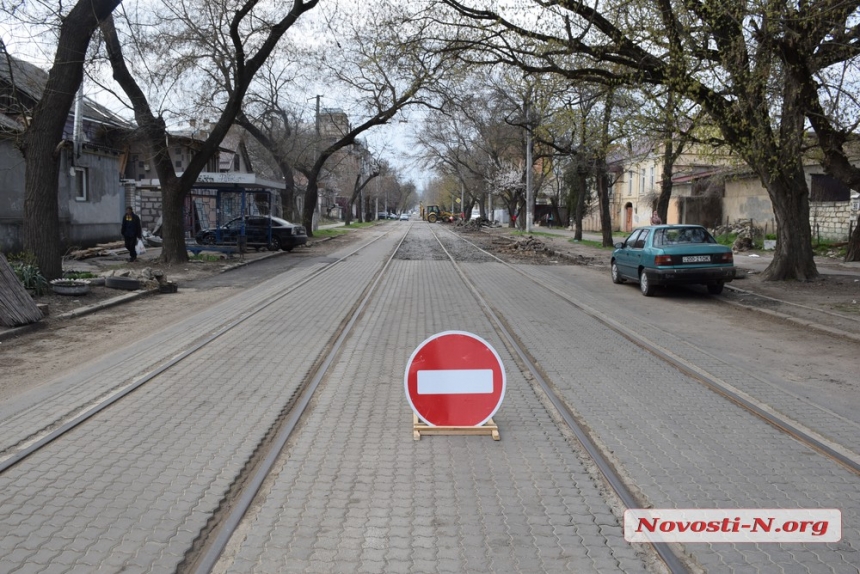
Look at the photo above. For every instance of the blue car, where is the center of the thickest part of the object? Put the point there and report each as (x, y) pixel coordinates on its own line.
(672, 255)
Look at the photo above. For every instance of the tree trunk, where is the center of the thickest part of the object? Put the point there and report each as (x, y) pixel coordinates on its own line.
(793, 257)
(853, 253)
(173, 210)
(41, 146)
(311, 198)
(666, 181)
(582, 189)
(603, 196)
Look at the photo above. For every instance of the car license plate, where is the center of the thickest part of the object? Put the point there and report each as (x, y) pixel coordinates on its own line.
(696, 259)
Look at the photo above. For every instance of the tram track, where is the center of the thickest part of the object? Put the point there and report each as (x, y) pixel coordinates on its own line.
(54, 430)
(203, 557)
(207, 550)
(808, 437)
(672, 557)
(613, 478)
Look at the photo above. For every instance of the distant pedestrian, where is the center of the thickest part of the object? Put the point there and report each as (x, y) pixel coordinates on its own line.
(655, 218)
(131, 232)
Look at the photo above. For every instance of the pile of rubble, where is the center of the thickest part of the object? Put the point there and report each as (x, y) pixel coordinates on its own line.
(100, 250)
(526, 245)
(474, 224)
(745, 231)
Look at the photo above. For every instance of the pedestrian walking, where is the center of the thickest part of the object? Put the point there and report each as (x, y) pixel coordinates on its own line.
(655, 218)
(131, 232)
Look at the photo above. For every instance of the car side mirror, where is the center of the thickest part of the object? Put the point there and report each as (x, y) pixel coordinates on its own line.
(619, 245)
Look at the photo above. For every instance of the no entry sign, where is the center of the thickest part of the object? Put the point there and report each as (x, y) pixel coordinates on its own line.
(455, 378)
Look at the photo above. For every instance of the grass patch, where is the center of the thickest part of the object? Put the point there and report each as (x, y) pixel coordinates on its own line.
(330, 232)
(590, 243)
(207, 257)
(727, 239)
(79, 275)
(825, 248)
(535, 233)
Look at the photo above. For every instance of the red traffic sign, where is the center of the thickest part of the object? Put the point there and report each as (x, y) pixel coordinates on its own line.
(455, 378)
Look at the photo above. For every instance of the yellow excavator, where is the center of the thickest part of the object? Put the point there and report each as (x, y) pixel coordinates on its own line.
(434, 213)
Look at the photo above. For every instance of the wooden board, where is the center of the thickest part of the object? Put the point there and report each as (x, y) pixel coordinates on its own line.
(419, 428)
(16, 306)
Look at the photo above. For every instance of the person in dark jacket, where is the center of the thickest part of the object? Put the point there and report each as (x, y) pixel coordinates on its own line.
(131, 232)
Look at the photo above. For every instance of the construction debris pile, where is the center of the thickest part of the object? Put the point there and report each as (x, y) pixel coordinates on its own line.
(100, 250)
(744, 229)
(525, 245)
(474, 224)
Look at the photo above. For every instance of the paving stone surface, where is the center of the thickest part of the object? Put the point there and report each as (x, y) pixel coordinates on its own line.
(131, 489)
(682, 445)
(51, 402)
(808, 413)
(355, 493)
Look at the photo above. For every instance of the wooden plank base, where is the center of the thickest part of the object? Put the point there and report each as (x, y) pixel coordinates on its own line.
(419, 428)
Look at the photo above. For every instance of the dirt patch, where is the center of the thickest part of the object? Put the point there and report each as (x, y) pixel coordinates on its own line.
(531, 250)
(144, 270)
(837, 293)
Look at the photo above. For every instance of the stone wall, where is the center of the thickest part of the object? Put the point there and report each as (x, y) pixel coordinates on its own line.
(831, 219)
(149, 208)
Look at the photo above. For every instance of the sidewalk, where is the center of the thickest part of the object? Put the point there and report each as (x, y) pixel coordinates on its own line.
(117, 264)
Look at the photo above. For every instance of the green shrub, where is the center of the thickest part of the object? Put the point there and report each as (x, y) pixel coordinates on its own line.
(30, 276)
(726, 239)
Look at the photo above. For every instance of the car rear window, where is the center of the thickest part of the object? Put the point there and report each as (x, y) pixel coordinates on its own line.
(682, 235)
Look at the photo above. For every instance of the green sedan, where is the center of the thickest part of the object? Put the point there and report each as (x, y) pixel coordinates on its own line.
(672, 255)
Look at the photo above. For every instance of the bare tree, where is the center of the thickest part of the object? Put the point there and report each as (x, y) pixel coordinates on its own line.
(43, 137)
(728, 57)
(239, 50)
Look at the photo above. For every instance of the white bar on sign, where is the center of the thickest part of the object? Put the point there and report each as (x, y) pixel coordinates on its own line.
(455, 382)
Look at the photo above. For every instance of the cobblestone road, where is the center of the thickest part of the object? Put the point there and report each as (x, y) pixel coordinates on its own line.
(130, 490)
(355, 493)
(352, 492)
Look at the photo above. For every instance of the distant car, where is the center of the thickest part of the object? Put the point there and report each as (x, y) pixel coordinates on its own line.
(404, 217)
(284, 235)
(671, 255)
(392, 216)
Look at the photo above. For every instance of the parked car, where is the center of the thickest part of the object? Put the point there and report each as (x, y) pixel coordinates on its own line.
(382, 215)
(671, 255)
(284, 235)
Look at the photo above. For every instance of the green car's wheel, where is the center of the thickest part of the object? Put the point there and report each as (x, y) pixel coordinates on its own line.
(616, 276)
(645, 284)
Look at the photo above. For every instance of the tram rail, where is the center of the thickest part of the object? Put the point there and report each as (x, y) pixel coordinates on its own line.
(806, 437)
(207, 550)
(53, 431)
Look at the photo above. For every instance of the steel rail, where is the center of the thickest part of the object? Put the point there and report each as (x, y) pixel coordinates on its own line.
(227, 527)
(81, 418)
(711, 383)
(669, 557)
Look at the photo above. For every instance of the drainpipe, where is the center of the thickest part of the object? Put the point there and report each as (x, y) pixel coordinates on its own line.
(78, 129)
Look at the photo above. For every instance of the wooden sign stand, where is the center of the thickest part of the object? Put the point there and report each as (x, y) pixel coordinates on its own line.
(419, 428)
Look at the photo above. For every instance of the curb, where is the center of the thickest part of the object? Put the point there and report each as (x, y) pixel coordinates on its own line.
(113, 302)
